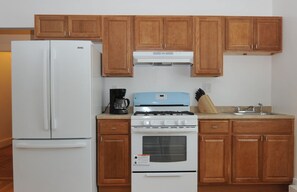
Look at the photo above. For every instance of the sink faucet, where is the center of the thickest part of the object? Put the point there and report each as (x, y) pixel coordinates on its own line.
(250, 108)
(261, 107)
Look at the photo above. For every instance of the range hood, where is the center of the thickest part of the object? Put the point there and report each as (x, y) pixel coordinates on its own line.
(163, 57)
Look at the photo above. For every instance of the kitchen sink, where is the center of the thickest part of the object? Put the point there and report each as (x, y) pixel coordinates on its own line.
(252, 113)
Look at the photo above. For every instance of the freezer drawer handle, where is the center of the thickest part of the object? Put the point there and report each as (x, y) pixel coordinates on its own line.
(163, 175)
(50, 146)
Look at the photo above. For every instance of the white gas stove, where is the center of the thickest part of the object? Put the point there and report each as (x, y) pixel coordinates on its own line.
(164, 143)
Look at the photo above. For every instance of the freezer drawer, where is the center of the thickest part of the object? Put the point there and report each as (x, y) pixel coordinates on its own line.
(52, 165)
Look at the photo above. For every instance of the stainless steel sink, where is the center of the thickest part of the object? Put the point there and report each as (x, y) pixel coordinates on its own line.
(252, 113)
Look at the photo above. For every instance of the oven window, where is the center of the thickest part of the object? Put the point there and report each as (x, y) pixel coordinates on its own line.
(165, 148)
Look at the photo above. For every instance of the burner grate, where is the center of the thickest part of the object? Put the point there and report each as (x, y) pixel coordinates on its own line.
(148, 113)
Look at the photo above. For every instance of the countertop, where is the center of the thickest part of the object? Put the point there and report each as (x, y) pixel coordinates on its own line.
(209, 116)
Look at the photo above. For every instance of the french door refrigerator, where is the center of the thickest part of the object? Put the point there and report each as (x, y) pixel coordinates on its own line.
(56, 95)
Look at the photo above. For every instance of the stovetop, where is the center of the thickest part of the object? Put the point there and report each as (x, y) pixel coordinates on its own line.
(162, 113)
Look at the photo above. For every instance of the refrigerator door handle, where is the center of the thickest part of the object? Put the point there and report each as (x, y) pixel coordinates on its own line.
(45, 90)
(53, 107)
(51, 146)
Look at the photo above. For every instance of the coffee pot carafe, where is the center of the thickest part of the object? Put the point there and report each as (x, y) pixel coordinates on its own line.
(118, 104)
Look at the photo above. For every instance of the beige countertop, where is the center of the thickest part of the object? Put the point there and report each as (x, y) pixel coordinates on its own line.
(114, 116)
(238, 117)
(209, 116)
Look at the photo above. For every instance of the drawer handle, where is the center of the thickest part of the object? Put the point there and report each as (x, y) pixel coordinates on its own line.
(113, 128)
(214, 126)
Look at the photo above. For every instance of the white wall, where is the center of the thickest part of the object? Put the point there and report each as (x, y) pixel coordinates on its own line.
(284, 66)
(16, 13)
(5, 99)
(246, 81)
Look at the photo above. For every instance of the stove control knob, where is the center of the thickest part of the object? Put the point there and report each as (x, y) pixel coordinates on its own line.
(183, 122)
(146, 122)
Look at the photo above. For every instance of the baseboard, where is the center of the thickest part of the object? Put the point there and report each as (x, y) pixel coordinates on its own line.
(293, 188)
(5, 142)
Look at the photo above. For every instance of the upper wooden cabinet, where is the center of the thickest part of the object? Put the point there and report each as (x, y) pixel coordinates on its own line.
(67, 27)
(117, 46)
(163, 33)
(208, 52)
(253, 34)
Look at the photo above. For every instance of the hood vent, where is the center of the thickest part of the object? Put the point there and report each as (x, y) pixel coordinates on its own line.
(162, 58)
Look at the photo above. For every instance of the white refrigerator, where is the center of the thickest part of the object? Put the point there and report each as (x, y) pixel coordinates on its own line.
(56, 95)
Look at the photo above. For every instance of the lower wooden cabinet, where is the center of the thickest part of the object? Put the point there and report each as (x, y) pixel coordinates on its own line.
(278, 158)
(113, 155)
(250, 152)
(246, 159)
(214, 150)
(262, 151)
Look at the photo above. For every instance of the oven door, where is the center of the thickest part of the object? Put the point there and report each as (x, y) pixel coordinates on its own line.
(167, 151)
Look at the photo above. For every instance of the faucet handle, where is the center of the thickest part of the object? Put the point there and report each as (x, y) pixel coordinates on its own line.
(237, 108)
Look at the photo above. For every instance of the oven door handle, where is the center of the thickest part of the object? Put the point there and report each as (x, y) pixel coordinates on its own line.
(163, 174)
(162, 131)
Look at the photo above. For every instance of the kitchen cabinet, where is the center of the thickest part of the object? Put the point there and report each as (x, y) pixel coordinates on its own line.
(253, 34)
(117, 46)
(67, 27)
(208, 51)
(214, 151)
(113, 155)
(163, 33)
(262, 151)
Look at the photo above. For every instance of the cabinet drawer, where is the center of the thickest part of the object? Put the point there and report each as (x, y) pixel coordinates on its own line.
(213, 126)
(263, 126)
(113, 127)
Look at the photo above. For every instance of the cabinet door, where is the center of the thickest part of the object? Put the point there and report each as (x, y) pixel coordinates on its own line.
(114, 160)
(214, 159)
(117, 46)
(278, 158)
(84, 26)
(178, 33)
(268, 34)
(246, 159)
(239, 34)
(208, 47)
(148, 32)
(50, 26)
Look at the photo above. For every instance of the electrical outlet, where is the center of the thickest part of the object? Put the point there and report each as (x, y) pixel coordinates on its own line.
(206, 87)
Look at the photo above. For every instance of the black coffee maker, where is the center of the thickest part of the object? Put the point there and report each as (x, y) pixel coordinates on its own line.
(118, 104)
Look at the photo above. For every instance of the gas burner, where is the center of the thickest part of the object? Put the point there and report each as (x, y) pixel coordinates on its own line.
(162, 113)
